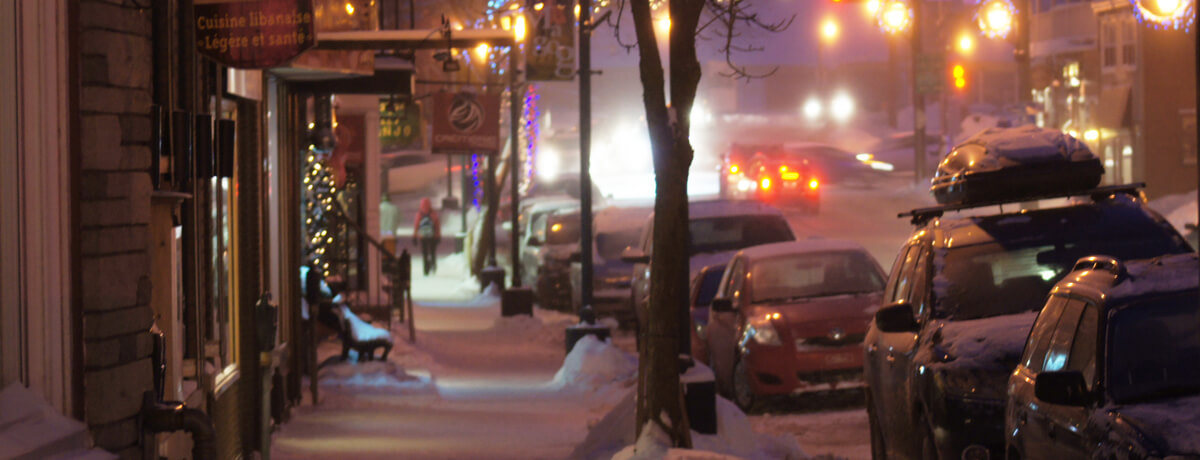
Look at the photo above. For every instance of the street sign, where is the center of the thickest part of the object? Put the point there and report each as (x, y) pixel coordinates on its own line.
(929, 73)
(254, 34)
(466, 123)
(551, 51)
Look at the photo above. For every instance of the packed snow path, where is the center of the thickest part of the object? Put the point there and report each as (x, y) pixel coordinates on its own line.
(474, 386)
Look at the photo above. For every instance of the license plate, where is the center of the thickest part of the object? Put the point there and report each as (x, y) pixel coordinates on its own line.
(840, 358)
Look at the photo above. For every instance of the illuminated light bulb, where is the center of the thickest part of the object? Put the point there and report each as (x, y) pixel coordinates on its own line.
(349, 8)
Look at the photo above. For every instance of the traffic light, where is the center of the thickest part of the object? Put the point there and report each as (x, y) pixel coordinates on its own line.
(960, 77)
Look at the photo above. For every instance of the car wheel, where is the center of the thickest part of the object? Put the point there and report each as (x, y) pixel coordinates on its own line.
(878, 451)
(743, 394)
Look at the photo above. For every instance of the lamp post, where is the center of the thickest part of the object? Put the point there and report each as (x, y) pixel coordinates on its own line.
(829, 34)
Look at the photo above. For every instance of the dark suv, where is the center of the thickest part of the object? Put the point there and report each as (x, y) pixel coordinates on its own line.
(1112, 365)
(959, 304)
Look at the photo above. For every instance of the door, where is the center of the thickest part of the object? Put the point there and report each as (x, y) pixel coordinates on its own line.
(891, 354)
(1029, 438)
(1052, 431)
(1073, 348)
(723, 327)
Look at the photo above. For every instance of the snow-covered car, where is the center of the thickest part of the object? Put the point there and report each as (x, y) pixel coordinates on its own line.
(613, 229)
(960, 301)
(790, 318)
(552, 272)
(700, 295)
(533, 235)
(1112, 366)
(716, 230)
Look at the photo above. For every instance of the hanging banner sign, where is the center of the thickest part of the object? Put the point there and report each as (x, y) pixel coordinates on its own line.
(254, 34)
(550, 54)
(399, 124)
(466, 123)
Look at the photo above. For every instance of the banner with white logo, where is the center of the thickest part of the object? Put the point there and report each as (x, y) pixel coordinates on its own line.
(466, 123)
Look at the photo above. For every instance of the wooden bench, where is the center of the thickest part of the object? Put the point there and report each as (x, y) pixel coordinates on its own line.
(363, 337)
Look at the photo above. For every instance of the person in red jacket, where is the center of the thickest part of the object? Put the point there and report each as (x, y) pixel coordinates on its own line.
(427, 232)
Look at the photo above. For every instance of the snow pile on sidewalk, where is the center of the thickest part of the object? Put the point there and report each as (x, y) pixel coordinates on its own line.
(613, 437)
(593, 365)
(372, 377)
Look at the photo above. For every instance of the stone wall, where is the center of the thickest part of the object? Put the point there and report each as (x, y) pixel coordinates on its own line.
(116, 68)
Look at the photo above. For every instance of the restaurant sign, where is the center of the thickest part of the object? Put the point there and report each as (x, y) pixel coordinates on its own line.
(254, 34)
(466, 123)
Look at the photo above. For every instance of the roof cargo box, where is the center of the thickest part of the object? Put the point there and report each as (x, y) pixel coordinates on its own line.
(1013, 163)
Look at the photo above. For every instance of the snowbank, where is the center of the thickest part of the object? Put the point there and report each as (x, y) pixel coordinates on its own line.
(1178, 209)
(592, 365)
(613, 437)
(372, 377)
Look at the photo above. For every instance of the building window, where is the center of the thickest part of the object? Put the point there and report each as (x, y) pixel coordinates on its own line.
(1108, 44)
(222, 348)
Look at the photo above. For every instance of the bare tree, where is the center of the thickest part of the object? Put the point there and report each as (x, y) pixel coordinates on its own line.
(660, 399)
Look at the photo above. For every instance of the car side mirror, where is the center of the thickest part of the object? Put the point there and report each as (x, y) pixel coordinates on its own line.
(722, 305)
(897, 317)
(575, 257)
(632, 255)
(1066, 388)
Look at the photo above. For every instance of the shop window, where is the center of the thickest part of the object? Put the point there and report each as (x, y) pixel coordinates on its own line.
(221, 350)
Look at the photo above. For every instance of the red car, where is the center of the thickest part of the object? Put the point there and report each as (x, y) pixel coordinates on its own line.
(789, 318)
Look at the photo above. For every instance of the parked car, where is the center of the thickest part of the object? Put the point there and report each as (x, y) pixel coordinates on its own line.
(716, 229)
(1112, 366)
(553, 285)
(962, 294)
(790, 318)
(700, 295)
(614, 229)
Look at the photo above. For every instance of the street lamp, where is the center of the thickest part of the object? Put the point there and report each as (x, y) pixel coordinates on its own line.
(1166, 14)
(894, 17)
(966, 44)
(995, 18)
(829, 30)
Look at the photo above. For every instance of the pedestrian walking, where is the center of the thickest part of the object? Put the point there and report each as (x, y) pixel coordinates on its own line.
(427, 232)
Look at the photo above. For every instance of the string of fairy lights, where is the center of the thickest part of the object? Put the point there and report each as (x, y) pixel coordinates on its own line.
(319, 193)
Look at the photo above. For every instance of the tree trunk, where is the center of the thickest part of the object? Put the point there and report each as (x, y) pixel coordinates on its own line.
(659, 391)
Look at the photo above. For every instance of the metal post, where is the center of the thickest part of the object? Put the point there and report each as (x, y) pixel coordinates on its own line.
(585, 151)
(1021, 52)
(892, 82)
(466, 164)
(918, 98)
(514, 165)
(449, 176)
(493, 200)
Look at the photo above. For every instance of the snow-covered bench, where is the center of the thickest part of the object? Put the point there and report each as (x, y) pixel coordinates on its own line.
(362, 337)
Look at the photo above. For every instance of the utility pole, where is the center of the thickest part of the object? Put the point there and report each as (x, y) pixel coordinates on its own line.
(585, 152)
(918, 97)
(514, 163)
(1021, 53)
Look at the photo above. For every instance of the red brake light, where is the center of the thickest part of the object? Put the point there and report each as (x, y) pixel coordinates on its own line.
(783, 168)
(813, 184)
(790, 175)
(766, 183)
(733, 169)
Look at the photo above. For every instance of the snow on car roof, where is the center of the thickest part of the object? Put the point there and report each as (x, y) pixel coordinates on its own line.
(718, 208)
(800, 247)
(1169, 273)
(1029, 143)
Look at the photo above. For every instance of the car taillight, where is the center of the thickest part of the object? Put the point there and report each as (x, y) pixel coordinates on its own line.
(813, 184)
(733, 169)
(790, 175)
(783, 168)
(765, 183)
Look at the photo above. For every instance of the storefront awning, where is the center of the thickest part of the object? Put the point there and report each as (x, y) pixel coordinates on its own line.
(1113, 112)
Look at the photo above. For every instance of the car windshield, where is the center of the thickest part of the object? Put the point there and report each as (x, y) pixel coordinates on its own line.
(1031, 252)
(730, 233)
(817, 274)
(562, 229)
(1153, 349)
(609, 244)
(709, 285)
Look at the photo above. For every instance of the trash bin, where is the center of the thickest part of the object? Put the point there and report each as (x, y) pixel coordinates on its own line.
(490, 275)
(700, 398)
(516, 301)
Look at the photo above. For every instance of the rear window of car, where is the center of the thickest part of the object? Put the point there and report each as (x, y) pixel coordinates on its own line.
(1153, 349)
(730, 233)
(818, 274)
(610, 244)
(1031, 252)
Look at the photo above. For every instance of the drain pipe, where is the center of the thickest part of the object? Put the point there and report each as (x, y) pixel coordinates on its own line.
(168, 416)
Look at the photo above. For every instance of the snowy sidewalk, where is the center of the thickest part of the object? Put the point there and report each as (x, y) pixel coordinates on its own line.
(473, 386)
